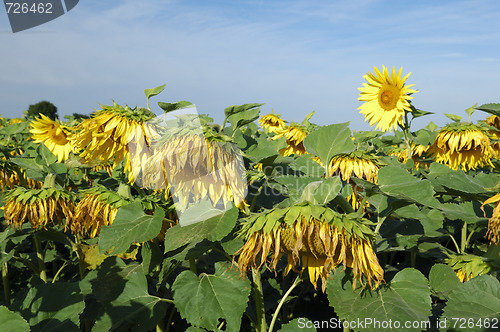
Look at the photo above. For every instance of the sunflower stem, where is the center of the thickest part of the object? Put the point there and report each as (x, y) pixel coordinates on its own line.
(259, 301)
(343, 203)
(283, 299)
(50, 181)
(406, 132)
(41, 259)
(5, 282)
(463, 240)
(192, 265)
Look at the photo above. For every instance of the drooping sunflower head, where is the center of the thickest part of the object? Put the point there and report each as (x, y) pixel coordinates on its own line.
(40, 207)
(116, 133)
(468, 266)
(358, 163)
(97, 208)
(295, 135)
(386, 98)
(463, 145)
(494, 222)
(272, 122)
(315, 237)
(418, 154)
(54, 135)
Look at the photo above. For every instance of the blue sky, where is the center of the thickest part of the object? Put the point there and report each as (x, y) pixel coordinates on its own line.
(295, 56)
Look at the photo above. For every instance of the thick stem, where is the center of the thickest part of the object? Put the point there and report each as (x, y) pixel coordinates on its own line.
(406, 132)
(413, 257)
(283, 299)
(41, 259)
(192, 265)
(5, 281)
(463, 240)
(50, 181)
(259, 301)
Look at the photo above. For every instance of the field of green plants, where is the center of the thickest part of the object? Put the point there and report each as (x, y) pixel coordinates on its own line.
(136, 221)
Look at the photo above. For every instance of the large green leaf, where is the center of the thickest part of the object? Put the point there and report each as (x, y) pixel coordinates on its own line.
(475, 300)
(169, 107)
(130, 225)
(443, 280)
(52, 307)
(213, 229)
(327, 190)
(12, 321)
(154, 91)
(406, 299)
(398, 183)
(302, 324)
(232, 110)
(491, 108)
(296, 184)
(328, 141)
(203, 300)
(246, 114)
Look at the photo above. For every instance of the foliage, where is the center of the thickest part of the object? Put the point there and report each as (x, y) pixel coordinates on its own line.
(44, 107)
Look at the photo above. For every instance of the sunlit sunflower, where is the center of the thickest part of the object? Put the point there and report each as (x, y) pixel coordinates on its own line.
(315, 237)
(97, 208)
(462, 145)
(192, 167)
(494, 221)
(116, 133)
(272, 122)
(53, 134)
(418, 154)
(39, 207)
(358, 164)
(468, 266)
(386, 98)
(295, 135)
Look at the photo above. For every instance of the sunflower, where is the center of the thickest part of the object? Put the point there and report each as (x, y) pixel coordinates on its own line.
(467, 266)
(272, 122)
(295, 135)
(494, 221)
(463, 145)
(313, 236)
(116, 133)
(39, 207)
(386, 98)
(53, 134)
(418, 154)
(98, 207)
(192, 167)
(358, 164)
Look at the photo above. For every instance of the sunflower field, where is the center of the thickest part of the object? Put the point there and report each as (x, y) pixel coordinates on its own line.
(132, 220)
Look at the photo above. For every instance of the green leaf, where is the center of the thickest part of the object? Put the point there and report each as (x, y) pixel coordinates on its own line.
(52, 307)
(478, 298)
(247, 115)
(213, 229)
(130, 225)
(453, 117)
(45, 158)
(151, 256)
(407, 298)
(328, 190)
(329, 141)
(443, 280)
(26, 163)
(492, 108)
(306, 165)
(231, 110)
(203, 300)
(296, 184)
(301, 324)
(398, 183)
(431, 126)
(416, 113)
(155, 91)
(471, 110)
(170, 107)
(12, 321)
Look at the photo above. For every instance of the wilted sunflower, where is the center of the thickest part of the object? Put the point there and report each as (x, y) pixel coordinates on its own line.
(494, 221)
(192, 167)
(468, 266)
(295, 135)
(97, 208)
(463, 145)
(358, 164)
(313, 236)
(418, 154)
(37, 206)
(116, 133)
(53, 134)
(386, 98)
(272, 122)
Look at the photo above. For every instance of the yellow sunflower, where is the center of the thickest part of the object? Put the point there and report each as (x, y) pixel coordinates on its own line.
(494, 221)
(358, 164)
(39, 207)
(53, 134)
(116, 133)
(418, 154)
(313, 236)
(97, 208)
(295, 135)
(272, 122)
(467, 266)
(386, 98)
(463, 145)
